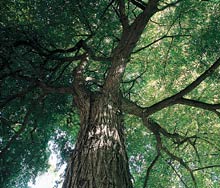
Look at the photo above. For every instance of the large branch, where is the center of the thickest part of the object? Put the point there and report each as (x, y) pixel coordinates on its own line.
(199, 104)
(81, 44)
(49, 89)
(81, 93)
(75, 48)
(128, 41)
(131, 107)
(138, 3)
(122, 15)
(35, 83)
(144, 113)
(55, 54)
(45, 87)
(174, 98)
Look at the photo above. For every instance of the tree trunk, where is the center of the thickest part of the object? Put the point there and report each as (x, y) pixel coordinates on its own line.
(99, 159)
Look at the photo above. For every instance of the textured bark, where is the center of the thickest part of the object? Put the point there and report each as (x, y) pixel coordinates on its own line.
(99, 159)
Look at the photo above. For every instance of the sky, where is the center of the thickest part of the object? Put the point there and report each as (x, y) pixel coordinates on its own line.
(48, 179)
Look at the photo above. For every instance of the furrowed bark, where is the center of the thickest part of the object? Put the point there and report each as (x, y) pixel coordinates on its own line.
(99, 158)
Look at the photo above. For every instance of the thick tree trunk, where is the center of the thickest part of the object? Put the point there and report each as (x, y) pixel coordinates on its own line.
(99, 159)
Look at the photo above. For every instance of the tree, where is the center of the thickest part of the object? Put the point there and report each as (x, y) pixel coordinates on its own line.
(144, 71)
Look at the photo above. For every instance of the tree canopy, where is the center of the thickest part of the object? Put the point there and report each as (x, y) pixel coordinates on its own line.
(170, 89)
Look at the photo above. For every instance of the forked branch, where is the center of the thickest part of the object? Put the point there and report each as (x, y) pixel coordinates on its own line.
(129, 39)
(158, 130)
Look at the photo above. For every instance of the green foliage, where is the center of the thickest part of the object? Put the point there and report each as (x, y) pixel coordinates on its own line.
(190, 44)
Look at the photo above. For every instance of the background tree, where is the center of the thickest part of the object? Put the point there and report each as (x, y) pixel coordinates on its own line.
(144, 72)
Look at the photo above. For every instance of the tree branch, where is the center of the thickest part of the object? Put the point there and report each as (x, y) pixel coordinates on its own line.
(181, 179)
(82, 95)
(122, 15)
(149, 170)
(206, 167)
(156, 129)
(92, 55)
(6, 100)
(75, 48)
(23, 126)
(157, 40)
(181, 161)
(173, 4)
(140, 4)
(122, 52)
(54, 54)
(199, 104)
(175, 158)
(61, 90)
(131, 107)
(173, 99)
(46, 88)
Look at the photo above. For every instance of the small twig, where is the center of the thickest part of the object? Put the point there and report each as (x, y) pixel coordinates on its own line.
(181, 179)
